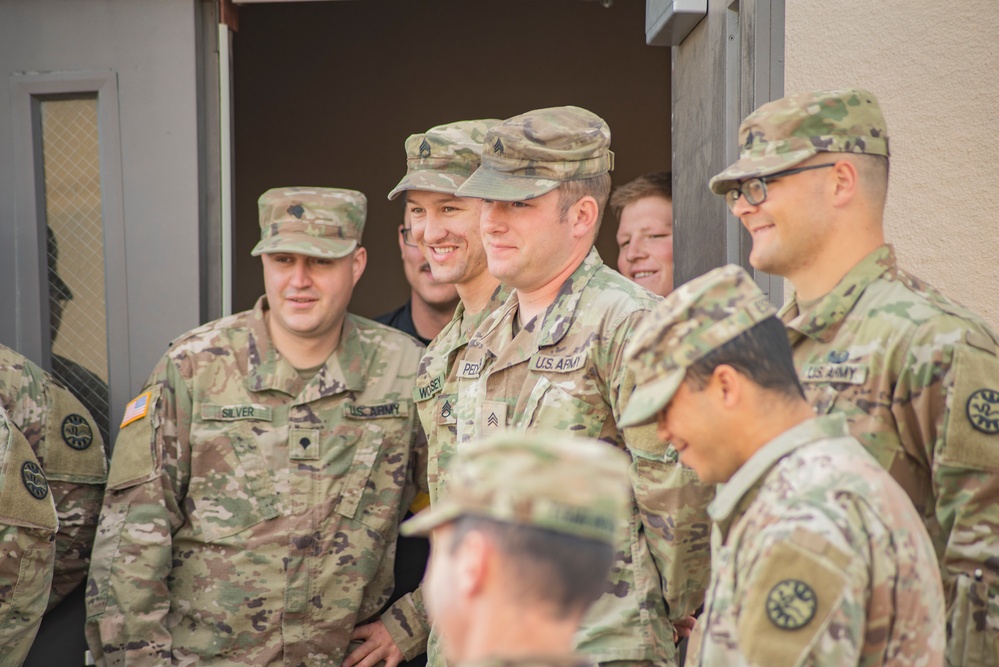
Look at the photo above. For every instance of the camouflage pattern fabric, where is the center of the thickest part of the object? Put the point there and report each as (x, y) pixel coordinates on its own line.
(818, 558)
(443, 157)
(318, 222)
(252, 514)
(539, 661)
(28, 526)
(565, 370)
(436, 398)
(695, 319)
(531, 154)
(782, 133)
(917, 378)
(68, 445)
(543, 479)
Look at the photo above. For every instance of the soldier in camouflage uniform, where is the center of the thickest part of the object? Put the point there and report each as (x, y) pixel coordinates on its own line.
(67, 443)
(818, 557)
(915, 375)
(523, 543)
(552, 357)
(446, 230)
(259, 478)
(28, 525)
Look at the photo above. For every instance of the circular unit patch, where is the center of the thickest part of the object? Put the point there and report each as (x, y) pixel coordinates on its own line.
(76, 432)
(34, 480)
(983, 411)
(791, 604)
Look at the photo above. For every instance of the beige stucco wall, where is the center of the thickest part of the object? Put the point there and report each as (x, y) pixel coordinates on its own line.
(934, 66)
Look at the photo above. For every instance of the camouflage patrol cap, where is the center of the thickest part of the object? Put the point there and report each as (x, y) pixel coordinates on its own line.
(782, 133)
(563, 483)
(531, 154)
(443, 157)
(696, 318)
(319, 222)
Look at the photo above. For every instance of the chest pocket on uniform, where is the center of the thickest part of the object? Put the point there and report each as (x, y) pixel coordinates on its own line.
(373, 486)
(551, 406)
(231, 485)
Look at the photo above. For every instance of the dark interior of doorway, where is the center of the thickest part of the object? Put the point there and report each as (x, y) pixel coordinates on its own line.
(327, 92)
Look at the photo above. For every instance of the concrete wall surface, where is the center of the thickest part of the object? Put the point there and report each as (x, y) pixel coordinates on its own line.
(933, 67)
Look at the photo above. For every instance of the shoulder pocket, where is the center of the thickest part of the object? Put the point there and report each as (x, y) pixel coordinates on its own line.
(134, 460)
(972, 428)
(73, 447)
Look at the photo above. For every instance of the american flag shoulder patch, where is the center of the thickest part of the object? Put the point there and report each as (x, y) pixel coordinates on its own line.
(137, 408)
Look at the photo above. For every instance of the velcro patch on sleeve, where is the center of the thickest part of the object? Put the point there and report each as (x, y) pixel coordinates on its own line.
(789, 601)
(136, 409)
(133, 460)
(972, 425)
(73, 450)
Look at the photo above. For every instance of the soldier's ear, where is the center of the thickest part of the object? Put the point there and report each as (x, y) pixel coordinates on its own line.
(473, 563)
(583, 216)
(359, 260)
(844, 182)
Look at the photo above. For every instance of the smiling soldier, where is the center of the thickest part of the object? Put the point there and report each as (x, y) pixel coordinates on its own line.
(552, 357)
(260, 477)
(817, 556)
(915, 374)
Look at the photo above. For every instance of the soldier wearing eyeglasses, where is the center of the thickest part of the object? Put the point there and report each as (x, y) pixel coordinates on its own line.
(916, 375)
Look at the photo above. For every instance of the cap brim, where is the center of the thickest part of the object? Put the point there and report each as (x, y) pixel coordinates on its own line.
(303, 244)
(649, 398)
(754, 166)
(427, 520)
(430, 181)
(500, 186)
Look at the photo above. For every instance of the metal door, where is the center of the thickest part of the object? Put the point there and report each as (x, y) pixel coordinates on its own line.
(109, 201)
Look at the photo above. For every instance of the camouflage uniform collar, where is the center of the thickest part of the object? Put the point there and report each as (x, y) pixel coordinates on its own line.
(556, 320)
(756, 468)
(268, 371)
(822, 320)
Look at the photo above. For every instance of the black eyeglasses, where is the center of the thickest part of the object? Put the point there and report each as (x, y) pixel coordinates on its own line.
(407, 237)
(755, 189)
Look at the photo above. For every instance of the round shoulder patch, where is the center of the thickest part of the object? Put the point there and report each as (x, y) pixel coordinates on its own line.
(983, 411)
(34, 480)
(791, 604)
(76, 432)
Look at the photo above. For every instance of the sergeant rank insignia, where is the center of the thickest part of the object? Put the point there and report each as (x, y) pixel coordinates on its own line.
(76, 432)
(791, 604)
(424, 149)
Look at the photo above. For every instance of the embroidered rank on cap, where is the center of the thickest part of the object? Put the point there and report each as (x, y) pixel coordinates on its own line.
(498, 147)
(76, 432)
(136, 409)
(34, 480)
(983, 411)
(424, 149)
(791, 604)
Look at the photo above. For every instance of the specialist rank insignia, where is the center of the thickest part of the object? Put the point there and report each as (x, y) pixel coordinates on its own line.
(983, 411)
(76, 432)
(34, 480)
(791, 604)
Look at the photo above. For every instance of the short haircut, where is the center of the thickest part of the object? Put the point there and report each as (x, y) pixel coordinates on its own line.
(567, 572)
(762, 353)
(655, 184)
(872, 171)
(570, 192)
